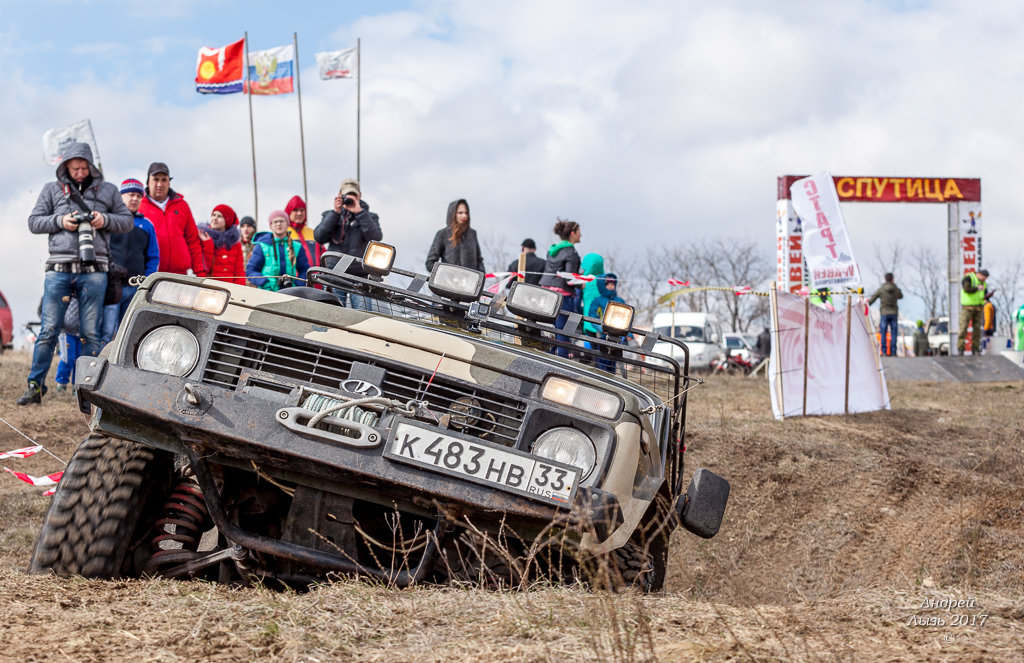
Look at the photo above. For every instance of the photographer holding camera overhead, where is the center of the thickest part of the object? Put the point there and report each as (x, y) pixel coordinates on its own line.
(348, 228)
(78, 212)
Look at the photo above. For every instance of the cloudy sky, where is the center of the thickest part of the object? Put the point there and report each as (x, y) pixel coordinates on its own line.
(651, 123)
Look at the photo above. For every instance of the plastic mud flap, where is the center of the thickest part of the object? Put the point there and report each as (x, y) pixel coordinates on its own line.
(703, 505)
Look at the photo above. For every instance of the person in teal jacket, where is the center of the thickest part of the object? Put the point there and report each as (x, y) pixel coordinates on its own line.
(277, 261)
(592, 264)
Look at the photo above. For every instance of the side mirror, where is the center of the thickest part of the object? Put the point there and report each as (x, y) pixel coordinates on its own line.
(702, 508)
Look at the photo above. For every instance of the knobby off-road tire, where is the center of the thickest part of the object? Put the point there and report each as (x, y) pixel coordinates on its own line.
(103, 510)
(635, 568)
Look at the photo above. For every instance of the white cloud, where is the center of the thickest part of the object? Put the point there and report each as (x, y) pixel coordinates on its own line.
(649, 122)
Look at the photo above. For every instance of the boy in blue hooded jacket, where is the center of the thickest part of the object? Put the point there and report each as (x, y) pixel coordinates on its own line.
(606, 286)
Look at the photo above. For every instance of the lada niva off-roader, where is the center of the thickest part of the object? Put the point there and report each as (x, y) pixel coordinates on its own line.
(244, 435)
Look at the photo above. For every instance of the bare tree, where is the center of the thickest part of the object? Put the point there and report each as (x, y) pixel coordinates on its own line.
(1007, 282)
(496, 250)
(929, 282)
(886, 258)
(642, 279)
(707, 262)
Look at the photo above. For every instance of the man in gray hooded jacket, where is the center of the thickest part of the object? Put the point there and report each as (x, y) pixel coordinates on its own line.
(79, 189)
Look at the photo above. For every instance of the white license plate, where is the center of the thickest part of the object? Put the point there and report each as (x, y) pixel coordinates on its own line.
(480, 462)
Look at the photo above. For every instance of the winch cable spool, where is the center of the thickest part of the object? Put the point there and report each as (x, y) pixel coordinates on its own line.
(352, 409)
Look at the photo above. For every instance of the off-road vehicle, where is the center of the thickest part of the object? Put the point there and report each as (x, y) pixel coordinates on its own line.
(244, 435)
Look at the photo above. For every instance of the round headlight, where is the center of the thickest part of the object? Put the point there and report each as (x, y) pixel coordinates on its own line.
(171, 350)
(569, 446)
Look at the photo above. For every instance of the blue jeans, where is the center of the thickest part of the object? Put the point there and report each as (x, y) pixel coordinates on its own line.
(356, 302)
(56, 285)
(890, 322)
(111, 318)
(127, 292)
(70, 349)
(569, 305)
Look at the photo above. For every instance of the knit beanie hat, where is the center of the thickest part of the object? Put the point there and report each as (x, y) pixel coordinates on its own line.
(247, 221)
(277, 214)
(230, 218)
(295, 203)
(132, 186)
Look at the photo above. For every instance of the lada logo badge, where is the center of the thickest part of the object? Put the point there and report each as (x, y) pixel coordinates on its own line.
(364, 389)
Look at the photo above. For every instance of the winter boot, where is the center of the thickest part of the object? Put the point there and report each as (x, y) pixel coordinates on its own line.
(32, 395)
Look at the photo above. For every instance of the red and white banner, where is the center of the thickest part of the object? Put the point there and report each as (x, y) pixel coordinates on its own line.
(822, 374)
(24, 452)
(48, 480)
(826, 245)
(789, 237)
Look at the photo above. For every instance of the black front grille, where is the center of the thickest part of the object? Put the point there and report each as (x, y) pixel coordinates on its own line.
(461, 407)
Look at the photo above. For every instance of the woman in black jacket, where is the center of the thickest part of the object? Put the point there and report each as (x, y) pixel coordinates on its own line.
(456, 243)
(562, 257)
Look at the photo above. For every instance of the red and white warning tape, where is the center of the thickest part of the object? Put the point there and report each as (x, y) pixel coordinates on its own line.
(48, 480)
(24, 452)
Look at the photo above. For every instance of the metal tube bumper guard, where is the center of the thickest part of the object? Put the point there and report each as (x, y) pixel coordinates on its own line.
(179, 414)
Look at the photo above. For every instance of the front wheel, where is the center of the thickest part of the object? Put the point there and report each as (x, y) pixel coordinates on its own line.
(103, 510)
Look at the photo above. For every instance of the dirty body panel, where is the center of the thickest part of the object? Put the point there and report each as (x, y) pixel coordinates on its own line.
(304, 424)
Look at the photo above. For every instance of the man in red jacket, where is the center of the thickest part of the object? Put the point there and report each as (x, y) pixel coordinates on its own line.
(176, 232)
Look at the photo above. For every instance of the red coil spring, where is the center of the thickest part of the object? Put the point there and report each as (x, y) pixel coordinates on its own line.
(179, 531)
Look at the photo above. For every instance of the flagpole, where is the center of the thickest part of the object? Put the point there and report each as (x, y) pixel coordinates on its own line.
(302, 135)
(252, 133)
(359, 82)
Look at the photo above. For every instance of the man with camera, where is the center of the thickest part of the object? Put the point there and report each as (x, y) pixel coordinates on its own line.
(348, 228)
(78, 212)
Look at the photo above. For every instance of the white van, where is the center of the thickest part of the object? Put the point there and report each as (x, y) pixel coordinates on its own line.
(701, 332)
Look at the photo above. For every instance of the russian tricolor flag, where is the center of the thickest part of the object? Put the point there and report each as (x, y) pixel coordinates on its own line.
(219, 70)
(271, 71)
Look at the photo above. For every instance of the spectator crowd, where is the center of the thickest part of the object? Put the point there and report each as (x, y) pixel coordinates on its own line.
(104, 239)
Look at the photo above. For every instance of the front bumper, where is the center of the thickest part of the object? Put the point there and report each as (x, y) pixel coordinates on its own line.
(241, 428)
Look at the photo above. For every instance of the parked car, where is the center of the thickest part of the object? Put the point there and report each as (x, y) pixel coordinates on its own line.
(6, 325)
(701, 332)
(739, 345)
(938, 335)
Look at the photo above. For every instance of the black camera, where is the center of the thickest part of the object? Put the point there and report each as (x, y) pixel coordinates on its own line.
(347, 200)
(86, 239)
(284, 282)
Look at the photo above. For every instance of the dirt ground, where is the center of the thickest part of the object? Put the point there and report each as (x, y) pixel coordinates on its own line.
(845, 539)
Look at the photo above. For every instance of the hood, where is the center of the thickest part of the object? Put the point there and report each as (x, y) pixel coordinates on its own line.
(558, 246)
(222, 239)
(592, 264)
(77, 151)
(454, 205)
(602, 285)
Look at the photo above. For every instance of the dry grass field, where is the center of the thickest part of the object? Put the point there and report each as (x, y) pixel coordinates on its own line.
(843, 537)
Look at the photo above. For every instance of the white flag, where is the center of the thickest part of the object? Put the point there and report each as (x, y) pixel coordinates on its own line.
(827, 249)
(337, 64)
(56, 140)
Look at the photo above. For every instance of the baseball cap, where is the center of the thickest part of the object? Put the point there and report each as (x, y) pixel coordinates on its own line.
(158, 167)
(529, 244)
(350, 186)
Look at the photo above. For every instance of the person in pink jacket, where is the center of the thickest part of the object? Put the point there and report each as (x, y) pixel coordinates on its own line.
(176, 232)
